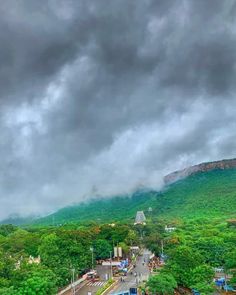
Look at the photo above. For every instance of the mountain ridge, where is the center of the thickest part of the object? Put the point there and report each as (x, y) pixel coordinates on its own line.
(202, 167)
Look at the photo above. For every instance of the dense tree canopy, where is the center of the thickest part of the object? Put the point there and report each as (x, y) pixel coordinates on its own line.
(191, 253)
(194, 249)
(163, 284)
(60, 249)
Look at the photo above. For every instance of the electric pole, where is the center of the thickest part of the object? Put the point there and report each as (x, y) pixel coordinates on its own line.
(111, 264)
(91, 249)
(73, 281)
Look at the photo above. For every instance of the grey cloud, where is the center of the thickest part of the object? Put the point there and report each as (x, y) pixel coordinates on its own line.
(104, 96)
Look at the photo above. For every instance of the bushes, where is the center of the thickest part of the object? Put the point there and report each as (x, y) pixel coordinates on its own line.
(61, 250)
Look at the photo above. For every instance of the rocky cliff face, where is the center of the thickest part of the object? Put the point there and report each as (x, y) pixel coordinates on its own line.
(177, 175)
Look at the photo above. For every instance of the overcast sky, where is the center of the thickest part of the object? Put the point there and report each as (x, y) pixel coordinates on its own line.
(102, 97)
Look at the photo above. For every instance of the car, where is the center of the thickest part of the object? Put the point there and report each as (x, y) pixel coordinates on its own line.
(92, 274)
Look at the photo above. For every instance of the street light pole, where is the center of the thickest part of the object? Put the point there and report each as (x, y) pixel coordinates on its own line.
(162, 247)
(91, 249)
(92, 260)
(111, 264)
(73, 281)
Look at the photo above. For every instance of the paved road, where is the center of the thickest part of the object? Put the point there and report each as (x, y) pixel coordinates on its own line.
(131, 280)
(92, 287)
(142, 273)
(89, 286)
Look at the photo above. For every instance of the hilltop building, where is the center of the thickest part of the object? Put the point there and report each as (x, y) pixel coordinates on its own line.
(140, 218)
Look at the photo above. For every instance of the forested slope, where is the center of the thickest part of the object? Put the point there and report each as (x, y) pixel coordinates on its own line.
(205, 194)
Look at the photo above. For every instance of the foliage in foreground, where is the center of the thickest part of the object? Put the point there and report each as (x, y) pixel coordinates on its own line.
(163, 284)
(61, 250)
(194, 249)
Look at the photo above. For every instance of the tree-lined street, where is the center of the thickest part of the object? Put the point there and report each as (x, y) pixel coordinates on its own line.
(135, 276)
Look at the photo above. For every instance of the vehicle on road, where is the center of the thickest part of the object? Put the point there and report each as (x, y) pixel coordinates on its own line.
(92, 275)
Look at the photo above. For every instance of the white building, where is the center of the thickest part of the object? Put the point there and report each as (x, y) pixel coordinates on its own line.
(169, 229)
(140, 218)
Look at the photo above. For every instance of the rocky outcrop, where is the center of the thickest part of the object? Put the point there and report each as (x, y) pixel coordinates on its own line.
(203, 167)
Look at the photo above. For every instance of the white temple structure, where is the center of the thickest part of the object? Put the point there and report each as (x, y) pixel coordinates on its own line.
(140, 218)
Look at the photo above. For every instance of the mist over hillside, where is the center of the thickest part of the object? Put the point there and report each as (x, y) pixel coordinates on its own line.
(200, 195)
(209, 189)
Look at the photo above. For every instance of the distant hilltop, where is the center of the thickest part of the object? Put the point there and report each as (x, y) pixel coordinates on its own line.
(203, 167)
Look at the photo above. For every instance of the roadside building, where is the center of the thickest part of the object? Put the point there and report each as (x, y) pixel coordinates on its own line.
(36, 260)
(169, 229)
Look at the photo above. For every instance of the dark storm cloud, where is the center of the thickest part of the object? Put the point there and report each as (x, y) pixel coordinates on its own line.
(104, 96)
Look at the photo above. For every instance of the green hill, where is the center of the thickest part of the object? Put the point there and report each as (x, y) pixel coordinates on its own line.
(204, 194)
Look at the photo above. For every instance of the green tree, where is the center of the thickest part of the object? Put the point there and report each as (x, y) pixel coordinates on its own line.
(7, 267)
(230, 260)
(38, 284)
(49, 250)
(181, 263)
(22, 242)
(7, 229)
(230, 264)
(212, 249)
(102, 249)
(131, 238)
(204, 288)
(53, 258)
(114, 234)
(163, 284)
(125, 248)
(202, 277)
(8, 291)
(153, 242)
(66, 250)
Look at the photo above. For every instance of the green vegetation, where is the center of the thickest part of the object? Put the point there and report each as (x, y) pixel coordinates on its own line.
(208, 194)
(102, 249)
(60, 250)
(163, 284)
(193, 250)
(41, 282)
(197, 206)
(104, 210)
